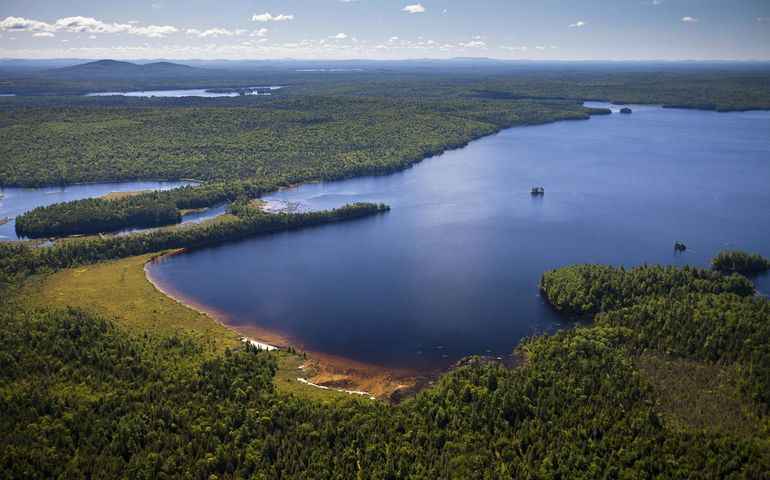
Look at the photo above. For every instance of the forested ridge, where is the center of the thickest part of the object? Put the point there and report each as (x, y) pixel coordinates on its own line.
(82, 397)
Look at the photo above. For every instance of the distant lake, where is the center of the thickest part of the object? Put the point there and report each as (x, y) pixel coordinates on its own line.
(453, 269)
(20, 200)
(190, 92)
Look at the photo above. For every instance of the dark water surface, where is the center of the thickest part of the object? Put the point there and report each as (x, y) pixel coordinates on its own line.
(19, 200)
(454, 268)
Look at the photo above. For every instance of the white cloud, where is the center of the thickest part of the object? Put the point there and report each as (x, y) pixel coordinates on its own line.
(214, 32)
(157, 6)
(267, 17)
(339, 36)
(415, 8)
(578, 24)
(21, 24)
(518, 49)
(259, 33)
(392, 39)
(689, 19)
(474, 44)
(81, 24)
(43, 34)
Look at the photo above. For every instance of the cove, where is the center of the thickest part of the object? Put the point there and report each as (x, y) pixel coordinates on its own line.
(16, 201)
(453, 269)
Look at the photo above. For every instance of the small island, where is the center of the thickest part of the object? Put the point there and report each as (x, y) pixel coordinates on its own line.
(537, 191)
(625, 110)
(679, 246)
(4, 220)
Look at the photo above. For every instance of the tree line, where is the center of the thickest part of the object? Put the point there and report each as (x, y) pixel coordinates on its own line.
(144, 210)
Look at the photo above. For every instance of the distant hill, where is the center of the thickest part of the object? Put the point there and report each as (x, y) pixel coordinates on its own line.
(119, 69)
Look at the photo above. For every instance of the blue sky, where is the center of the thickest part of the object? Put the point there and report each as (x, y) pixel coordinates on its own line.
(387, 29)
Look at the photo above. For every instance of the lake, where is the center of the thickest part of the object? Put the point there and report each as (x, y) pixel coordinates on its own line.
(190, 92)
(19, 200)
(453, 269)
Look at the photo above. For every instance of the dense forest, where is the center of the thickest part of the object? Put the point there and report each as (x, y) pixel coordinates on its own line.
(585, 290)
(270, 140)
(81, 397)
(665, 374)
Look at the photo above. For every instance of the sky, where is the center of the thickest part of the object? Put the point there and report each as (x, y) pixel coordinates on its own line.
(387, 29)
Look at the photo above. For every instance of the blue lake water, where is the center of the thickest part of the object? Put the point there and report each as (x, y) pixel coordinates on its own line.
(19, 200)
(189, 92)
(453, 269)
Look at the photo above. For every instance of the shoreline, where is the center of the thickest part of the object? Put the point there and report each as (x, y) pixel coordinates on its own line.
(211, 313)
(321, 370)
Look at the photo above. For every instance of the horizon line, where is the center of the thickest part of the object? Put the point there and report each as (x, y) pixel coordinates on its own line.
(406, 59)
